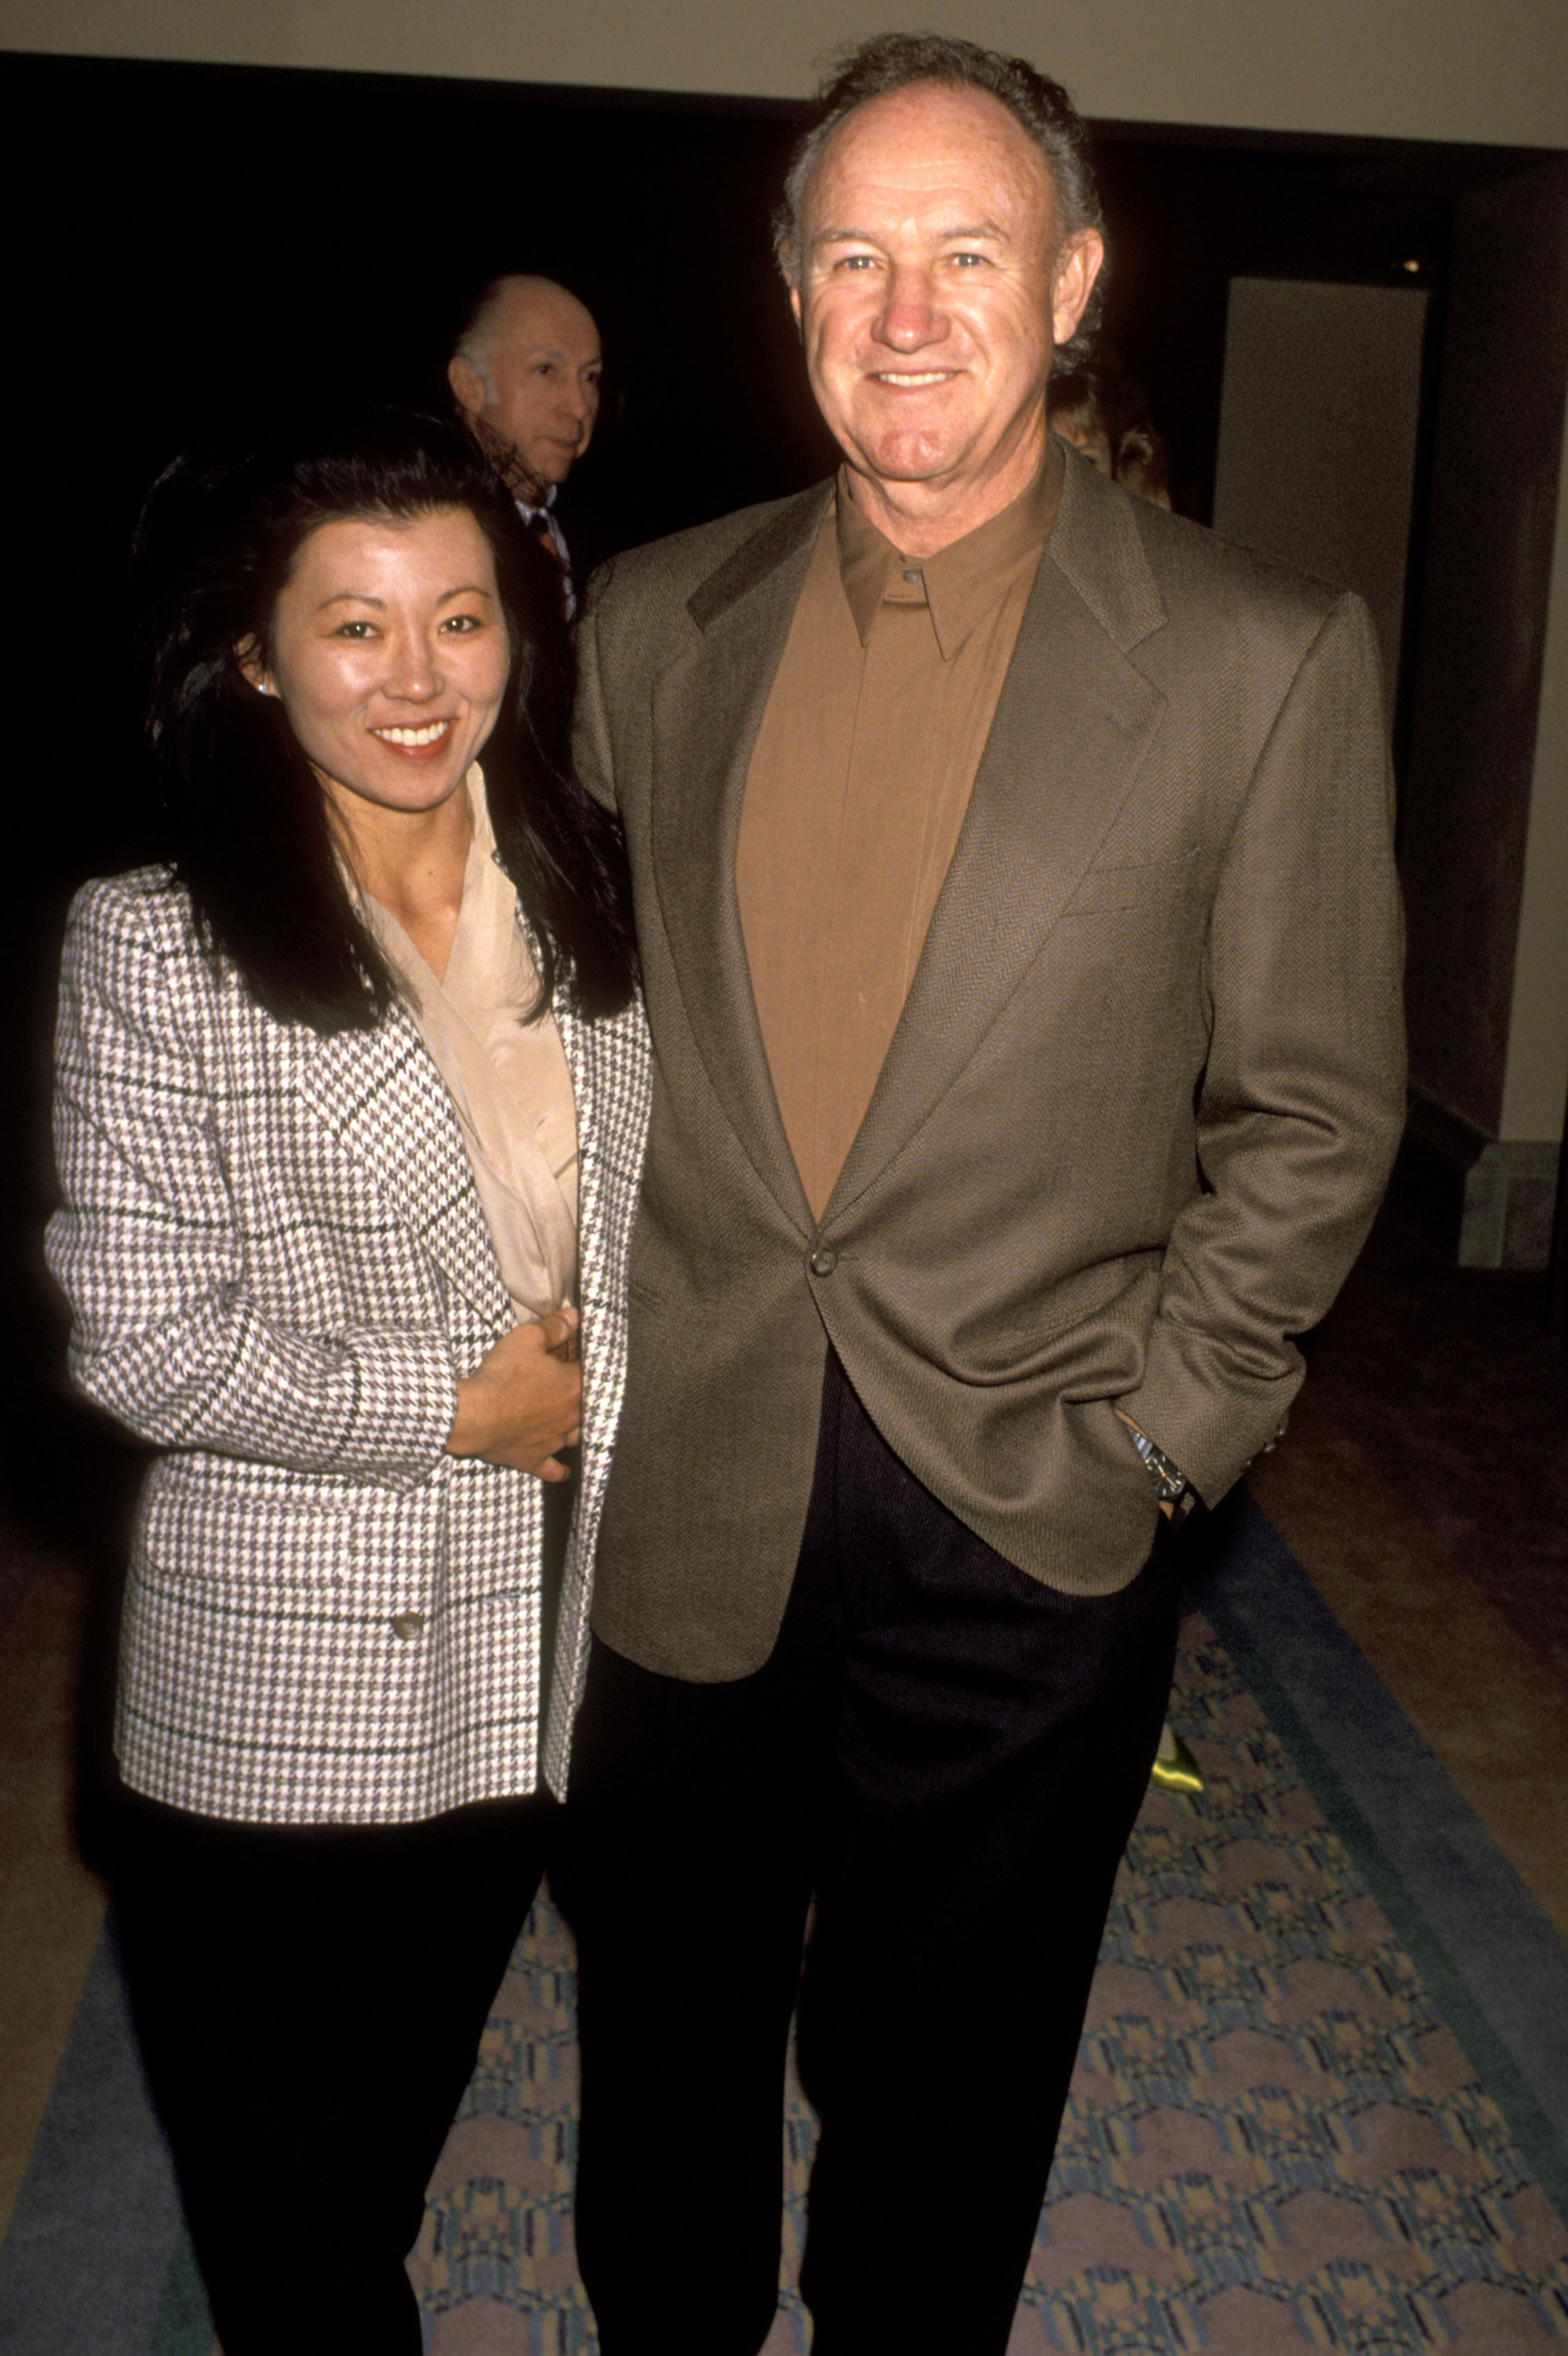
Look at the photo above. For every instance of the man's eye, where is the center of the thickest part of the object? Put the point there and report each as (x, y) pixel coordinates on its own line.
(858, 261)
(968, 260)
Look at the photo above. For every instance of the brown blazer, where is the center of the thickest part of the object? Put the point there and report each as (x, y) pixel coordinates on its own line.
(1132, 1128)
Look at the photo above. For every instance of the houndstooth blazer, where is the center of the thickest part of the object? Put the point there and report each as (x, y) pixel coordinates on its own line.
(278, 1268)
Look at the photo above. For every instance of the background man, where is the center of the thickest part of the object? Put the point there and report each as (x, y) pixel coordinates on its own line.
(526, 372)
(1021, 946)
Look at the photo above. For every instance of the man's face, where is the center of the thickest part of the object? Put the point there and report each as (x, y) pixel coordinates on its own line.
(931, 293)
(540, 392)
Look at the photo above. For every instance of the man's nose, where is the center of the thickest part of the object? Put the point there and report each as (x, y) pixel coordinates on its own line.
(911, 318)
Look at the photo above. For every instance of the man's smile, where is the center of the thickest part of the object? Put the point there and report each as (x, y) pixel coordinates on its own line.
(911, 381)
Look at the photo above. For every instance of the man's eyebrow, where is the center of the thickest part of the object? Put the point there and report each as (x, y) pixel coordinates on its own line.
(985, 229)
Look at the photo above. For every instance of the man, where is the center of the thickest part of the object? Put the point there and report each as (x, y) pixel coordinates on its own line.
(526, 373)
(1020, 942)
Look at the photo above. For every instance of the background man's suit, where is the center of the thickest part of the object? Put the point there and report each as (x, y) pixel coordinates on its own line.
(1127, 1139)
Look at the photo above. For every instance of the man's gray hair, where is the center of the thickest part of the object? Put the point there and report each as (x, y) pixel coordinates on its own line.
(475, 338)
(893, 61)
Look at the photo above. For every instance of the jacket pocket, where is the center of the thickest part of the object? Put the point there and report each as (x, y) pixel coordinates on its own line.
(206, 1520)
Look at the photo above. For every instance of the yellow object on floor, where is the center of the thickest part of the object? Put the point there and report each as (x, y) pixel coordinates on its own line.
(1175, 1769)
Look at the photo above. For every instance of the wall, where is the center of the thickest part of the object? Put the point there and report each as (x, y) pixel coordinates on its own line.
(1488, 70)
(1535, 1080)
(1485, 805)
(1318, 423)
(1489, 564)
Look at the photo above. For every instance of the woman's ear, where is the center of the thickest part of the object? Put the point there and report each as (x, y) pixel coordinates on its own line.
(247, 656)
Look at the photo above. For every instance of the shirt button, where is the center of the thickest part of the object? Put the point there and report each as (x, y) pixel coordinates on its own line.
(406, 1626)
(823, 1260)
(911, 574)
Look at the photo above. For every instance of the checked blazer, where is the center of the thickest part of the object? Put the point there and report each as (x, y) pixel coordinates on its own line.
(1135, 1119)
(278, 1268)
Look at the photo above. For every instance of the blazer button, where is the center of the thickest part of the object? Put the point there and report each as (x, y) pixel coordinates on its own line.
(823, 1260)
(406, 1626)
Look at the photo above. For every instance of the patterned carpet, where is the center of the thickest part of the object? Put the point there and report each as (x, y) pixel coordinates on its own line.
(1276, 2141)
(1321, 2102)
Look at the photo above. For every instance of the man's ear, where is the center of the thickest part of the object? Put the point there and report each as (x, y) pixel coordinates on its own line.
(1078, 265)
(467, 384)
(794, 304)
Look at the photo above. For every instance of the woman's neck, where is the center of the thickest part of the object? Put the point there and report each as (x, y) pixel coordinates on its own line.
(412, 862)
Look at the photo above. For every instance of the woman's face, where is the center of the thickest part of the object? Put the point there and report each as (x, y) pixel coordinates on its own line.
(391, 656)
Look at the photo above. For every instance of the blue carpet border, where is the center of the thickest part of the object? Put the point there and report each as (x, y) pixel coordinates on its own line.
(84, 2265)
(1413, 1838)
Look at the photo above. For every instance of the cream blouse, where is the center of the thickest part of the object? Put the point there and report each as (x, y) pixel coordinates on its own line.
(507, 1079)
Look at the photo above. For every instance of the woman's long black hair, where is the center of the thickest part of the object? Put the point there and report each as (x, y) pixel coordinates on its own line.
(248, 830)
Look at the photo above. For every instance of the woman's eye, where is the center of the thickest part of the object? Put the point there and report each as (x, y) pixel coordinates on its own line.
(462, 623)
(354, 630)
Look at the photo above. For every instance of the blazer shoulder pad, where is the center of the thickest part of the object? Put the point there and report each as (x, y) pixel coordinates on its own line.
(1191, 562)
(145, 901)
(679, 567)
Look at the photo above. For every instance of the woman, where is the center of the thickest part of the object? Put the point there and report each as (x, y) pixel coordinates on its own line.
(338, 1088)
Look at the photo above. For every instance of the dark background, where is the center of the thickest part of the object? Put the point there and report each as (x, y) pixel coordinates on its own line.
(193, 245)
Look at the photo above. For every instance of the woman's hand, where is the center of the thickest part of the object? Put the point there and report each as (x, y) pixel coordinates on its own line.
(524, 1399)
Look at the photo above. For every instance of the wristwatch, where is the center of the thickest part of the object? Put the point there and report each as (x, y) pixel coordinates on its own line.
(1171, 1485)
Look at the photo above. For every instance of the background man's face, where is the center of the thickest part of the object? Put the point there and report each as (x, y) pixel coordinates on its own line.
(927, 300)
(544, 367)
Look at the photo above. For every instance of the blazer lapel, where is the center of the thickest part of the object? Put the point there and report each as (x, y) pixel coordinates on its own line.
(383, 1099)
(708, 708)
(1072, 727)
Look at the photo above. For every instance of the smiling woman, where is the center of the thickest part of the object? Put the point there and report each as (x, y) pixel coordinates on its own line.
(349, 1113)
(389, 653)
(389, 649)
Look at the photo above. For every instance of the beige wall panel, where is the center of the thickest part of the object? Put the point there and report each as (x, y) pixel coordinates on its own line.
(1491, 70)
(1317, 427)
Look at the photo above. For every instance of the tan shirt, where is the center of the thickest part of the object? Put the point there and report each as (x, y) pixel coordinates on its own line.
(857, 790)
(507, 1079)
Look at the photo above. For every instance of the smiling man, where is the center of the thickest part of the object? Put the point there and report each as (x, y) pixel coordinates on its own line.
(526, 374)
(1021, 946)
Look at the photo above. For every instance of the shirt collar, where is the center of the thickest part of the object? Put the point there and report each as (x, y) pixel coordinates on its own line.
(960, 585)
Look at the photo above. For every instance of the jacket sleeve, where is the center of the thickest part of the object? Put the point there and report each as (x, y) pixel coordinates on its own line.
(167, 1333)
(1301, 1105)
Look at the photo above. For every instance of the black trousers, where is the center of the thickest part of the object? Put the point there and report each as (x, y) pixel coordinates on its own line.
(950, 1757)
(309, 2002)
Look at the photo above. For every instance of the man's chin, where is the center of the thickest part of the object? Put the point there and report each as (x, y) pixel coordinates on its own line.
(553, 466)
(902, 461)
